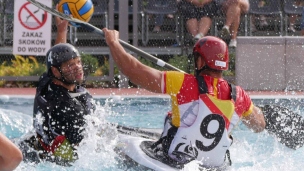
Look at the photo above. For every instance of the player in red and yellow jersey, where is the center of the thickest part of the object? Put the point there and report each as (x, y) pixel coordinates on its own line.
(205, 107)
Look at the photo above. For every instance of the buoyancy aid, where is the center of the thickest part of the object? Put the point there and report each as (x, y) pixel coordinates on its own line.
(58, 117)
(208, 138)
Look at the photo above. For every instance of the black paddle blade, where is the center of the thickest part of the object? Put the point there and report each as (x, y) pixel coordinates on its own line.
(286, 125)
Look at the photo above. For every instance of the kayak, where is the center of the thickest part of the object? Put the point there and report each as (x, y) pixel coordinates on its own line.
(137, 149)
(133, 147)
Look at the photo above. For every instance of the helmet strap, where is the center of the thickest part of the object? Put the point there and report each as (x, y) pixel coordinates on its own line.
(198, 71)
(62, 79)
(205, 68)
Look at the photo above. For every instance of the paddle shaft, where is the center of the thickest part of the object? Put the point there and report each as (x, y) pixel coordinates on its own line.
(141, 53)
(137, 131)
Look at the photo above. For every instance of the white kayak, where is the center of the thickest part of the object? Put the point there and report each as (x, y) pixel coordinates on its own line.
(136, 148)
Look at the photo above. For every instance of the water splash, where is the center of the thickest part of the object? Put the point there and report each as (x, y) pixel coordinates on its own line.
(14, 124)
(249, 151)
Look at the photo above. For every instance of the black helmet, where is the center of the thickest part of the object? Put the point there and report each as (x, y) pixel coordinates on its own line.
(60, 53)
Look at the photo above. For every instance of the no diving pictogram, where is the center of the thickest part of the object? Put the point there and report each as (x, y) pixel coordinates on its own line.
(31, 17)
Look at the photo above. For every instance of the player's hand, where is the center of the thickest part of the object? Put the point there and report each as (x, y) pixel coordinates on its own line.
(62, 25)
(111, 36)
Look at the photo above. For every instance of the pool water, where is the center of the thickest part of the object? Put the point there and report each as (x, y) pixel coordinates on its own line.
(249, 151)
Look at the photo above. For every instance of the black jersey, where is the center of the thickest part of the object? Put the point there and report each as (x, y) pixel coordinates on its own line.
(59, 112)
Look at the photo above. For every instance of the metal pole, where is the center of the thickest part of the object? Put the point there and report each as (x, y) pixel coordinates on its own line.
(111, 26)
(123, 25)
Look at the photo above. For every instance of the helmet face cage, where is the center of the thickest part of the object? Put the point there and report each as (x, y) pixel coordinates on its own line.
(67, 76)
(213, 51)
(69, 70)
(59, 54)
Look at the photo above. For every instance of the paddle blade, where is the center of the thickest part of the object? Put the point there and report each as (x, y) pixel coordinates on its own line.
(286, 125)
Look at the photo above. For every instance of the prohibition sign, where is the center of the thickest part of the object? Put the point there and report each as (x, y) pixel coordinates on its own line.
(38, 22)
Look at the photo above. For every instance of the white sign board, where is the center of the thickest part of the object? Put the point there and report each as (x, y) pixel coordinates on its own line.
(32, 28)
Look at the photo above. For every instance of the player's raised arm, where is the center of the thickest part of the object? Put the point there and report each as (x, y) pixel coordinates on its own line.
(138, 73)
(62, 28)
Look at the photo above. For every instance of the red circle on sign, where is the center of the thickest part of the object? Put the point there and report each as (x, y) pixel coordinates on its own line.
(31, 14)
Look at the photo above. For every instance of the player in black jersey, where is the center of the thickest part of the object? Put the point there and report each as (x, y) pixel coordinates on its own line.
(61, 102)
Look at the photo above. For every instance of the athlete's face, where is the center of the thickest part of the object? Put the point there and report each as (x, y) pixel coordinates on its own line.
(72, 70)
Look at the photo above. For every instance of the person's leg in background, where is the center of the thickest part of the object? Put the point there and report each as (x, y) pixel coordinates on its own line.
(233, 10)
(292, 21)
(198, 19)
(189, 13)
(206, 15)
(203, 27)
(192, 25)
(204, 18)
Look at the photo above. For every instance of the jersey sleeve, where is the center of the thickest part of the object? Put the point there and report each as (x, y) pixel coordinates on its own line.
(172, 82)
(244, 105)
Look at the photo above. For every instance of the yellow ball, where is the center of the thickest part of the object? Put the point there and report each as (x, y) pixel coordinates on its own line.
(80, 9)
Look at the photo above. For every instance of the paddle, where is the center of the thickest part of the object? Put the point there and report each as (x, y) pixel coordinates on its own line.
(286, 125)
(138, 132)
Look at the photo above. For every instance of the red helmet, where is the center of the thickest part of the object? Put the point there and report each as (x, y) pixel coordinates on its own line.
(213, 51)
